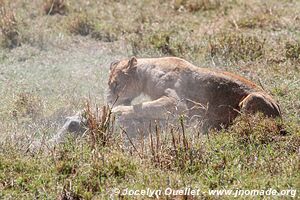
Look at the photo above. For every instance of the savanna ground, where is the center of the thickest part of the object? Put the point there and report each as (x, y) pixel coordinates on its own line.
(54, 58)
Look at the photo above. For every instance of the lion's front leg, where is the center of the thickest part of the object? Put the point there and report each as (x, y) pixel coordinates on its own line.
(157, 109)
(123, 110)
(137, 118)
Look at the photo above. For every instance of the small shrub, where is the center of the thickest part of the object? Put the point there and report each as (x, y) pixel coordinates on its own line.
(196, 5)
(292, 50)
(235, 47)
(52, 7)
(9, 28)
(82, 25)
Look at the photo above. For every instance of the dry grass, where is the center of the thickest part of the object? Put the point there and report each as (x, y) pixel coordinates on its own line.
(100, 125)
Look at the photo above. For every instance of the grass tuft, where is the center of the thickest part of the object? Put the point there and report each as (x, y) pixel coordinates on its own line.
(9, 27)
(52, 7)
(292, 50)
(82, 25)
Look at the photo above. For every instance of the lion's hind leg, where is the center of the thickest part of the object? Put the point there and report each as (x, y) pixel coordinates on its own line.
(260, 102)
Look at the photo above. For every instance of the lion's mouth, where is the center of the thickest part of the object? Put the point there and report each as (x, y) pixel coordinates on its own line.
(117, 101)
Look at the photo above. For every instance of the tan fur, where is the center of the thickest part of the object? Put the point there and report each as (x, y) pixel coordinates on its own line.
(176, 86)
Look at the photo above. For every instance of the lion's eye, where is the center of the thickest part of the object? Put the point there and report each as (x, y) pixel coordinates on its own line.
(114, 85)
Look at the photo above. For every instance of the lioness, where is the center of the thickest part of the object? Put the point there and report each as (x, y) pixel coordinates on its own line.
(177, 86)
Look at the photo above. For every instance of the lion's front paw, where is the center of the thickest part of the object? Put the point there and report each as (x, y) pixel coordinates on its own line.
(122, 110)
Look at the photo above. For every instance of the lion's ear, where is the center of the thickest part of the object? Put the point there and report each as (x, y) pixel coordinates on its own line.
(132, 62)
(112, 65)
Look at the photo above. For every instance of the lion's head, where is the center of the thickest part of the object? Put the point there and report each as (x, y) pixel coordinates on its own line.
(123, 82)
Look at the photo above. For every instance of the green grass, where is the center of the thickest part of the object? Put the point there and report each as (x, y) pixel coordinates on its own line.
(52, 63)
